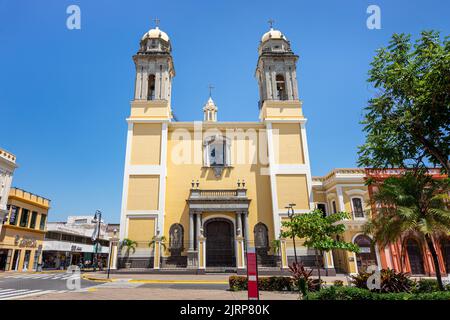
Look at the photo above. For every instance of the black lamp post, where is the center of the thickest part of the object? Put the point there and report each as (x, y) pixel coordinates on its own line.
(97, 219)
(291, 214)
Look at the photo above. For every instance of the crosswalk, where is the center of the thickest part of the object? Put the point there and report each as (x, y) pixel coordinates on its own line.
(11, 294)
(42, 276)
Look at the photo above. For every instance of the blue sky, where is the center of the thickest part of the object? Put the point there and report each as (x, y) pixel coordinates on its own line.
(64, 94)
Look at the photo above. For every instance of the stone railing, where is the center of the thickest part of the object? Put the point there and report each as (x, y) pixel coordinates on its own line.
(217, 193)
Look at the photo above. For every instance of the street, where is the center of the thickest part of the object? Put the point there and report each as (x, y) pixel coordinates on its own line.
(96, 286)
(22, 285)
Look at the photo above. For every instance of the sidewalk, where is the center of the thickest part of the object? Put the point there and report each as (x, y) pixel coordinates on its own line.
(220, 278)
(162, 294)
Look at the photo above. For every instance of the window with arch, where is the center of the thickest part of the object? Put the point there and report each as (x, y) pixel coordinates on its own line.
(357, 207)
(217, 152)
(281, 87)
(333, 205)
(151, 87)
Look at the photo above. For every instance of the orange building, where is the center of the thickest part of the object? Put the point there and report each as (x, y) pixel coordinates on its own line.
(410, 253)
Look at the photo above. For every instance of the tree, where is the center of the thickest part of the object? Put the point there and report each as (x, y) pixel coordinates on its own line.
(129, 245)
(319, 232)
(156, 239)
(407, 124)
(414, 202)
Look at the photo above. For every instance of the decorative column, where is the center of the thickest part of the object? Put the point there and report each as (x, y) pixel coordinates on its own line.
(201, 249)
(156, 253)
(240, 258)
(328, 263)
(191, 253)
(191, 231)
(247, 229)
(283, 254)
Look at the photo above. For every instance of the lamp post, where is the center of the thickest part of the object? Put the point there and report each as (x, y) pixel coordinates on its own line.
(291, 213)
(96, 237)
(111, 245)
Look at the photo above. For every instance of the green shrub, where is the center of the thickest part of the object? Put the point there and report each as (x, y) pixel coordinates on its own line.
(338, 283)
(341, 293)
(237, 283)
(426, 285)
(391, 281)
(264, 283)
(352, 293)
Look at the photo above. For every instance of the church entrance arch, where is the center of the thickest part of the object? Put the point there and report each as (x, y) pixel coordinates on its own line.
(219, 243)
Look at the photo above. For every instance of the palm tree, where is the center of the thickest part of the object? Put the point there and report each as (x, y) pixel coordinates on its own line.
(414, 202)
(130, 245)
(155, 239)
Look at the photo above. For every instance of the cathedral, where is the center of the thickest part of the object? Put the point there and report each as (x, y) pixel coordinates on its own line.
(197, 194)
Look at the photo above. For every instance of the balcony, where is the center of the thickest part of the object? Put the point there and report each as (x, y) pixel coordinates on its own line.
(218, 194)
(218, 200)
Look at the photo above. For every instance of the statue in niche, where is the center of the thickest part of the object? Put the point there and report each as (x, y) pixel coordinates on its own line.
(176, 239)
(261, 237)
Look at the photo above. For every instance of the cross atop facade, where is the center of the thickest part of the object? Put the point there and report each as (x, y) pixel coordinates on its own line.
(156, 22)
(271, 22)
(210, 87)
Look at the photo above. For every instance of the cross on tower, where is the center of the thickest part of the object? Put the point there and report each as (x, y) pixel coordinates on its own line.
(271, 22)
(210, 87)
(156, 22)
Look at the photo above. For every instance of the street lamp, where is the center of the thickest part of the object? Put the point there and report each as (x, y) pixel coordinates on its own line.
(96, 237)
(112, 241)
(291, 214)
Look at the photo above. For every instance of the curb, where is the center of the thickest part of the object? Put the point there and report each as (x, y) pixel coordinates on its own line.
(85, 277)
(178, 281)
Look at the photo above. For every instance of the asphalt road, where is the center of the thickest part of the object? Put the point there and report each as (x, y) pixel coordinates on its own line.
(15, 286)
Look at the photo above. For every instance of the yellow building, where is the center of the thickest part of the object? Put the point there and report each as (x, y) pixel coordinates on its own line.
(346, 190)
(22, 235)
(196, 194)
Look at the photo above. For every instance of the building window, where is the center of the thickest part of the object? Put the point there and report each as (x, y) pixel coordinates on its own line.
(43, 220)
(33, 219)
(13, 215)
(52, 235)
(24, 218)
(217, 152)
(357, 207)
(334, 206)
(151, 87)
(281, 87)
(322, 207)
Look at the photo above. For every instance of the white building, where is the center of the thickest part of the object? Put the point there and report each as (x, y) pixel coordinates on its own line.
(69, 243)
(7, 167)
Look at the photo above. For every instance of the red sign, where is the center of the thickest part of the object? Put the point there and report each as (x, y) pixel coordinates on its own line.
(252, 274)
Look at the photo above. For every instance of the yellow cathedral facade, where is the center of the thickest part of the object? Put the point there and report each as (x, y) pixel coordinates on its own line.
(197, 194)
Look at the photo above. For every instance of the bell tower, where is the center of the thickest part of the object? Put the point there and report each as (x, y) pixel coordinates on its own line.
(154, 72)
(276, 68)
(280, 109)
(144, 182)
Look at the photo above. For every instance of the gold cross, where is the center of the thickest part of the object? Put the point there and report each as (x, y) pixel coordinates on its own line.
(271, 22)
(156, 21)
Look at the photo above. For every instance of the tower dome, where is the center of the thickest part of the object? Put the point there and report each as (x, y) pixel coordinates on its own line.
(273, 34)
(156, 33)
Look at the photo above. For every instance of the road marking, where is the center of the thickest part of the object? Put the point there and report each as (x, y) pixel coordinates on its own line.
(10, 294)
